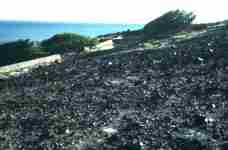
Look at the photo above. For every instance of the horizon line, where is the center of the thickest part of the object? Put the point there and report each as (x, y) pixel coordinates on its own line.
(69, 22)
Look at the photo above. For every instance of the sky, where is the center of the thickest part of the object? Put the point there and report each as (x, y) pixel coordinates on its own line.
(109, 11)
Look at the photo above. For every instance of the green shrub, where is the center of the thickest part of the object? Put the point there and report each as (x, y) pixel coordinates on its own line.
(67, 42)
(17, 51)
(170, 22)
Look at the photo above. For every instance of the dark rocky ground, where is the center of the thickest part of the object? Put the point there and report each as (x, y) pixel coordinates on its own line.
(169, 99)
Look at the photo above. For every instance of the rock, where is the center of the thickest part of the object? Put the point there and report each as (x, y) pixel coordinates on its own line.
(224, 146)
(163, 99)
(188, 139)
(109, 130)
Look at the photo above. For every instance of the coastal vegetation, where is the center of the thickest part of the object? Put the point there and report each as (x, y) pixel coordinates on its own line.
(22, 50)
(17, 51)
(67, 42)
(170, 22)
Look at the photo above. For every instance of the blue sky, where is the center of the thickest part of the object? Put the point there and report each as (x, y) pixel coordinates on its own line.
(108, 11)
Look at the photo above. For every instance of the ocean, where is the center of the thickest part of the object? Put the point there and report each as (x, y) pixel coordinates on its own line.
(37, 31)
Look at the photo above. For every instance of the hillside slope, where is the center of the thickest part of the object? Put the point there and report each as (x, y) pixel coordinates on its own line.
(173, 98)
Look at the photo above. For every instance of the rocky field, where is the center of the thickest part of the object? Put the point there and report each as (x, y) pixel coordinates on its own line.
(173, 98)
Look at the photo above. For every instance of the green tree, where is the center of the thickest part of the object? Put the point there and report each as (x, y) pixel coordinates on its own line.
(17, 51)
(67, 42)
(171, 21)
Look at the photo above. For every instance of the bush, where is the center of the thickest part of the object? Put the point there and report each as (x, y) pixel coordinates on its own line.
(67, 42)
(170, 22)
(17, 51)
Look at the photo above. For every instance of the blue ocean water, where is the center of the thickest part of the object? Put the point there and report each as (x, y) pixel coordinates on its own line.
(37, 31)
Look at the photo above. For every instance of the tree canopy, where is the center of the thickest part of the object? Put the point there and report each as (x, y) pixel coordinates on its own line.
(169, 22)
(66, 42)
(17, 51)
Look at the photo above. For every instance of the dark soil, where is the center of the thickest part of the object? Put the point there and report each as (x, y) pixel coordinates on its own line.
(168, 99)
